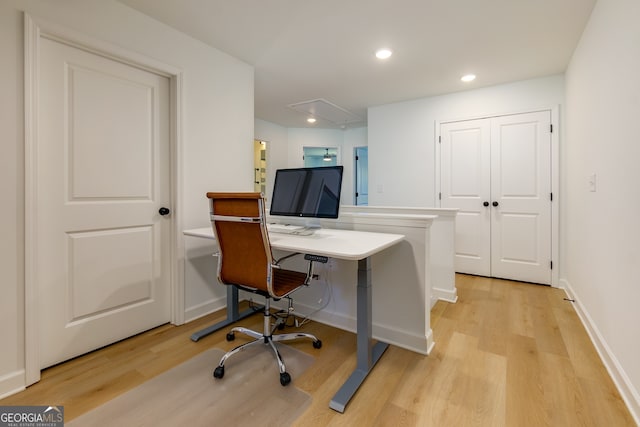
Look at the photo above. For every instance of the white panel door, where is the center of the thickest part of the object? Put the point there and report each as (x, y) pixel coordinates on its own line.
(521, 189)
(102, 175)
(497, 172)
(465, 184)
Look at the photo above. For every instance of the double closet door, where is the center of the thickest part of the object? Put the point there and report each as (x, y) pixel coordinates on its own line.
(497, 172)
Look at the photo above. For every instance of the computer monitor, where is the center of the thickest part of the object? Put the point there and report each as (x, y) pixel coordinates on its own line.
(307, 192)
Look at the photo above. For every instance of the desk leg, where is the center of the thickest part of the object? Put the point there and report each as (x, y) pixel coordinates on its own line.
(233, 315)
(367, 353)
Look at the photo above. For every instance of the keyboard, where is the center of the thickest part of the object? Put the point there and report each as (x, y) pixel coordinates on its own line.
(289, 229)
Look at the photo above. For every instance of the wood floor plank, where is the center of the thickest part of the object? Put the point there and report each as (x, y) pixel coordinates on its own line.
(520, 313)
(563, 396)
(392, 415)
(506, 354)
(525, 393)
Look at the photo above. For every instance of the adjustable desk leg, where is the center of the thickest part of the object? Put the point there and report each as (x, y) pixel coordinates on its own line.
(367, 353)
(233, 315)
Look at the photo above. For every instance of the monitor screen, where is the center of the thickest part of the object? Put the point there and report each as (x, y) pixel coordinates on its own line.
(307, 192)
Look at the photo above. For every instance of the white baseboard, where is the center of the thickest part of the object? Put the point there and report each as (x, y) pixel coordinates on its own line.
(399, 338)
(207, 307)
(628, 392)
(448, 295)
(12, 383)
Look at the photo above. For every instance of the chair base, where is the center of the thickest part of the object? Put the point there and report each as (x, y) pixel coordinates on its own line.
(265, 338)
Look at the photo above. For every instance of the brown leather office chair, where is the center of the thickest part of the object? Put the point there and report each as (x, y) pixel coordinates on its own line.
(245, 261)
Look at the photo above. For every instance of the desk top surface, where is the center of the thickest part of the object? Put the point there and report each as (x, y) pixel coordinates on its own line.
(334, 243)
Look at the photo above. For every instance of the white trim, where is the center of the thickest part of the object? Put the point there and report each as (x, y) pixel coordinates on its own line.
(35, 29)
(32, 349)
(205, 308)
(437, 201)
(555, 190)
(625, 387)
(448, 295)
(12, 383)
(555, 175)
(502, 114)
(177, 240)
(346, 321)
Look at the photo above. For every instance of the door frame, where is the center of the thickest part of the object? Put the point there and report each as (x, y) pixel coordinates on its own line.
(555, 175)
(34, 30)
(355, 173)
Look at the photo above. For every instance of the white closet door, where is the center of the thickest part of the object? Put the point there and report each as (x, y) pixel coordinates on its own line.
(102, 174)
(465, 184)
(497, 172)
(521, 187)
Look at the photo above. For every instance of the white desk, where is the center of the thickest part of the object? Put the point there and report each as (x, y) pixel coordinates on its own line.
(347, 245)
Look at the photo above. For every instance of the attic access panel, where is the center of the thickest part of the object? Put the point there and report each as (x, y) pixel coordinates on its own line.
(323, 109)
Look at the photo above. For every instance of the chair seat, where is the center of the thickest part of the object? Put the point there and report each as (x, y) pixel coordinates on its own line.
(286, 281)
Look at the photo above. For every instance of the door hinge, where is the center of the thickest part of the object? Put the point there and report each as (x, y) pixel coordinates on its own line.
(439, 139)
(551, 265)
(551, 196)
(357, 194)
(357, 158)
(439, 196)
(551, 128)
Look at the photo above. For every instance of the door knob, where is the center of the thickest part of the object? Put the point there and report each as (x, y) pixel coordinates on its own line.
(485, 204)
(495, 203)
(164, 211)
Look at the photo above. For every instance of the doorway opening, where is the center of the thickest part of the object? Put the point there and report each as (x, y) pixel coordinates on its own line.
(319, 156)
(361, 176)
(260, 166)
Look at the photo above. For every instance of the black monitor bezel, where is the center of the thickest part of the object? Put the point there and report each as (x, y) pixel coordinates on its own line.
(333, 215)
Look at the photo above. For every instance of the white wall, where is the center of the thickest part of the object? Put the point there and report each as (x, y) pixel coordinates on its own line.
(600, 231)
(285, 148)
(217, 131)
(401, 136)
(298, 138)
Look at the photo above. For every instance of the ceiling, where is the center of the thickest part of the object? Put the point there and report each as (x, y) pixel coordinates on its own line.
(306, 50)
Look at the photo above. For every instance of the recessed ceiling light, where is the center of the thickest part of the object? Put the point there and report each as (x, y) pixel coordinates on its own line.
(383, 53)
(311, 120)
(468, 77)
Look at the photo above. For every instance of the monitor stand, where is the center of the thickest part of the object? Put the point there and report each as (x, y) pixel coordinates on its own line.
(312, 223)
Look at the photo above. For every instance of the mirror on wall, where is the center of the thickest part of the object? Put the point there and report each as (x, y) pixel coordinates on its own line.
(260, 166)
(319, 156)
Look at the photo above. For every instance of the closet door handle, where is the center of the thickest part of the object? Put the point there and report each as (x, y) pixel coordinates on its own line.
(485, 204)
(164, 211)
(495, 204)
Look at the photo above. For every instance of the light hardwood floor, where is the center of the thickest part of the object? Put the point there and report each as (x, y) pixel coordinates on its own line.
(506, 354)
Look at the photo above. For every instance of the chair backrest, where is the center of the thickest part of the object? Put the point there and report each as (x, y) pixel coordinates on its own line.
(238, 221)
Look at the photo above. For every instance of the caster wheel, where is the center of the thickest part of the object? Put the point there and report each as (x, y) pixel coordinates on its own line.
(280, 326)
(218, 372)
(317, 344)
(231, 336)
(285, 378)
